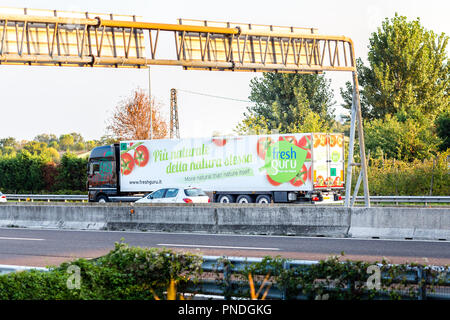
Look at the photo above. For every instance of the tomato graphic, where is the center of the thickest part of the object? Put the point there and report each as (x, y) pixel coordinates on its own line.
(329, 181)
(333, 140)
(262, 145)
(301, 178)
(323, 140)
(337, 181)
(272, 182)
(219, 142)
(126, 163)
(290, 139)
(316, 140)
(339, 141)
(141, 156)
(305, 143)
(320, 181)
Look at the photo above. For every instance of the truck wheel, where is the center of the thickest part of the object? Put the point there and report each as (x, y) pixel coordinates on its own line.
(244, 199)
(263, 199)
(225, 198)
(102, 199)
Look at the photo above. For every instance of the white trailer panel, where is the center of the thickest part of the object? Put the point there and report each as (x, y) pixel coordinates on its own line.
(235, 163)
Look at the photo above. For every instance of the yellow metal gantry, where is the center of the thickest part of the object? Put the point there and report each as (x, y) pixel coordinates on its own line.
(101, 41)
(59, 38)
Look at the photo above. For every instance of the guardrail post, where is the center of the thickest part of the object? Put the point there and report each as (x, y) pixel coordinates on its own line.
(422, 282)
(286, 266)
(227, 271)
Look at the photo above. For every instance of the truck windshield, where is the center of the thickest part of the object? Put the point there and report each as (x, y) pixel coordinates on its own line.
(194, 192)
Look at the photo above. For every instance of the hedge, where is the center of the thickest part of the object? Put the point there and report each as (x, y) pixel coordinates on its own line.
(134, 273)
(124, 273)
(26, 173)
(418, 178)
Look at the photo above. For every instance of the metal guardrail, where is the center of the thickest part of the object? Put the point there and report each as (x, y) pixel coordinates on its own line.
(4, 268)
(84, 198)
(407, 199)
(416, 276)
(46, 197)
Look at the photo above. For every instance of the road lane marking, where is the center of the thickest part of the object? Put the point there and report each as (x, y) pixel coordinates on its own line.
(214, 247)
(26, 239)
(232, 235)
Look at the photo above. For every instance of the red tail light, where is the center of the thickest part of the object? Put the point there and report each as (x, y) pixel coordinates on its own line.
(209, 200)
(187, 200)
(340, 197)
(315, 199)
(3, 197)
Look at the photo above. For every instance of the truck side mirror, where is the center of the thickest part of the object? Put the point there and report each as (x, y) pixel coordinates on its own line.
(91, 169)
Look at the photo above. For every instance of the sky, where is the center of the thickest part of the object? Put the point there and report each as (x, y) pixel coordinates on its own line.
(58, 100)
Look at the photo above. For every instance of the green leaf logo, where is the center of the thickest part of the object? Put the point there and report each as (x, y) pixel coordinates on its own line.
(335, 156)
(284, 161)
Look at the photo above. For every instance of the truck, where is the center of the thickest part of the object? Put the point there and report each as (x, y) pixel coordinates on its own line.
(273, 168)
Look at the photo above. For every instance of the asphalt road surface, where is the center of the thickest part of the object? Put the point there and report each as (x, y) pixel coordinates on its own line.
(44, 247)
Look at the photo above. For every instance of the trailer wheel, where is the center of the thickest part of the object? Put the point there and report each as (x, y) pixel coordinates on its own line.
(225, 198)
(244, 199)
(263, 199)
(102, 199)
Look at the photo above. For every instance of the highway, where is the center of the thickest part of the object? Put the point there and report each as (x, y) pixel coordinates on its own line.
(45, 247)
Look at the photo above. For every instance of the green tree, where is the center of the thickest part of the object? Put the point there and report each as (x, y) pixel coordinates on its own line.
(22, 173)
(54, 144)
(71, 173)
(405, 140)
(77, 138)
(403, 90)
(47, 138)
(91, 144)
(8, 142)
(79, 146)
(408, 72)
(443, 129)
(35, 147)
(66, 141)
(8, 151)
(289, 103)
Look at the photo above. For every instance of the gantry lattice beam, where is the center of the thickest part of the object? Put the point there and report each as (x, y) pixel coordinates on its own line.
(103, 41)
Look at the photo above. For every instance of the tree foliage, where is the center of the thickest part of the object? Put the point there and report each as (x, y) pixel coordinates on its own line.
(131, 119)
(401, 139)
(404, 89)
(288, 103)
(31, 173)
(71, 174)
(443, 129)
(408, 71)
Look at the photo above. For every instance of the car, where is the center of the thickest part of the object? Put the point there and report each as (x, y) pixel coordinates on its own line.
(2, 197)
(176, 195)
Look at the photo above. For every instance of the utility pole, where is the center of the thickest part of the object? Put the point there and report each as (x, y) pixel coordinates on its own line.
(150, 102)
(174, 125)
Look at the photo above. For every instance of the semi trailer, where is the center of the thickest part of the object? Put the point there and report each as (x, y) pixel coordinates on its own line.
(278, 168)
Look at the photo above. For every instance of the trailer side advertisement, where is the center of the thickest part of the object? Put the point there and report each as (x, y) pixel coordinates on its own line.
(238, 163)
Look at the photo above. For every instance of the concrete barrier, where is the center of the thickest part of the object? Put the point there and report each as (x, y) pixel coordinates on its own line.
(331, 221)
(400, 223)
(284, 220)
